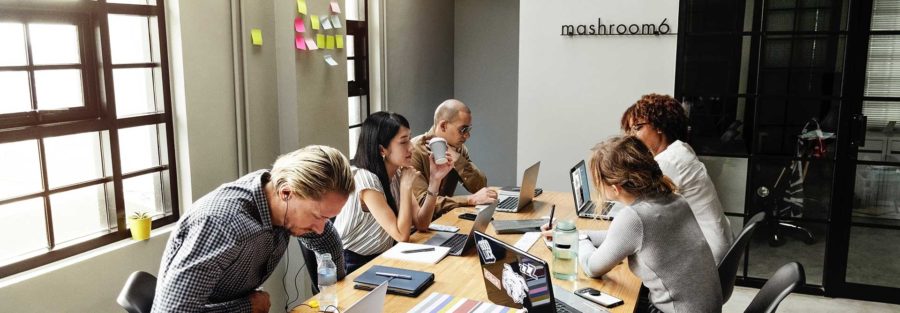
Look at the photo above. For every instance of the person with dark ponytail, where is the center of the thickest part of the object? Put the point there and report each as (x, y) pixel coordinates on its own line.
(383, 209)
(656, 231)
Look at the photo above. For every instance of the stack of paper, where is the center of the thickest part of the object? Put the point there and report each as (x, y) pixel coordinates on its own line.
(431, 257)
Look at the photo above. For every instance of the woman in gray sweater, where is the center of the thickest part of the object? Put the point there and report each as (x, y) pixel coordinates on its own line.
(656, 232)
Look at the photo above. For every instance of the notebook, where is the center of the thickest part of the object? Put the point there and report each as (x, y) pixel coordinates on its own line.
(431, 257)
(417, 281)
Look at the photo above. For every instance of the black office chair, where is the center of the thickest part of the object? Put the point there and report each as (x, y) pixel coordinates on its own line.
(729, 265)
(773, 222)
(137, 294)
(779, 286)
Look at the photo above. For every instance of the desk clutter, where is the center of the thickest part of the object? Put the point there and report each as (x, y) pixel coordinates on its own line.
(439, 302)
(401, 281)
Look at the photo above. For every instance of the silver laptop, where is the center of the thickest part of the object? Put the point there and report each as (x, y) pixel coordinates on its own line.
(581, 192)
(372, 302)
(514, 203)
(459, 243)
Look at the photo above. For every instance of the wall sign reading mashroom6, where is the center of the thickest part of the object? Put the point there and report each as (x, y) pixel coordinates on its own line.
(600, 29)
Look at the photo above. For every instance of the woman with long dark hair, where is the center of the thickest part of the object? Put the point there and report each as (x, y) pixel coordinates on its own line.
(383, 209)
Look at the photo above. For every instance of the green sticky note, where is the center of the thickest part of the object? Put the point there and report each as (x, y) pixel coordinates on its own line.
(315, 21)
(256, 36)
(329, 42)
(340, 41)
(320, 40)
(301, 6)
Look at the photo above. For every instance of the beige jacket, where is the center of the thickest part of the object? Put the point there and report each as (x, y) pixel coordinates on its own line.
(463, 170)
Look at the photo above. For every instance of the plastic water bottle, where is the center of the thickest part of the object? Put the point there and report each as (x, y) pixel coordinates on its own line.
(327, 278)
(565, 251)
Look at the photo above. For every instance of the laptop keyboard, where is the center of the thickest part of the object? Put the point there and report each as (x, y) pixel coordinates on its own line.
(508, 205)
(564, 308)
(457, 242)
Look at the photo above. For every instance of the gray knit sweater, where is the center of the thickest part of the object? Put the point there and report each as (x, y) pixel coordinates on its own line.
(665, 249)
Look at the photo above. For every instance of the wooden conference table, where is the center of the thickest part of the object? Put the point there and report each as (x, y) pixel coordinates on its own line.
(461, 275)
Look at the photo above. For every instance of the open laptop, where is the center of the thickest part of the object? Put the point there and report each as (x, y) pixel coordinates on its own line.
(459, 243)
(581, 191)
(519, 280)
(513, 203)
(372, 302)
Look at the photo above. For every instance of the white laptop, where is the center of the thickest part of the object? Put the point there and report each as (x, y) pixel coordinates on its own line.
(512, 202)
(373, 302)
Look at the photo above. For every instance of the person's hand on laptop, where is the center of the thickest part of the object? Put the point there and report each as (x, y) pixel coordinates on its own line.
(483, 196)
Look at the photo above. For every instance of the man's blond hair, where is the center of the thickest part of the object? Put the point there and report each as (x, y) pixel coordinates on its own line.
(313, 171)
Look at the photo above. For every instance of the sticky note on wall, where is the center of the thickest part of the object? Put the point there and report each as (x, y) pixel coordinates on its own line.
(314, 21)
(301, 6)
(256, 36)
(320, 41)
(298, 25)
(299, 42)
(329, 42)
(335, 7)
(311, 44)
(339, 41)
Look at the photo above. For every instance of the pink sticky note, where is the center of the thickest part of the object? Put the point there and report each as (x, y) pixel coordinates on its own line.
(335, 7)
(298, 25)
(311, 44)
(299, 42)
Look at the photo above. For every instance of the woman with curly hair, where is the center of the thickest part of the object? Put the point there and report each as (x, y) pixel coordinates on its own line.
(660, 122)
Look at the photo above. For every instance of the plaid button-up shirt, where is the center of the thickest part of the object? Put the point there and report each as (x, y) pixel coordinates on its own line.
(224, 248)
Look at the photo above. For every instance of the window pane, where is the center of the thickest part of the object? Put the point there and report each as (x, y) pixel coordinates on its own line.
(15, 91)
(354, 140)
(353, 110)
(351, 70)
(350, 50)
(73, 159)
(54, 43)
(134, 91)
(351, 10)
(886, 15)
(58, 89)
(872, 259)
(138, 148)
(144, 194)
(24, 221)
(12, 35)
(129, 39)
(79, 213)
(21, 169)
(883, 68)
(729, 175)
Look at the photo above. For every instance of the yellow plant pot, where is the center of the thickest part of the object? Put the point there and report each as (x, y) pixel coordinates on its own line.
(140, 228)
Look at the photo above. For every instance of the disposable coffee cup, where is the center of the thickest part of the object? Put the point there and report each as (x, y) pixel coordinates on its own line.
(438, 149)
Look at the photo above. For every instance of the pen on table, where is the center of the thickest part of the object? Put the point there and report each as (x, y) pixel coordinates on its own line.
(552, 211)
(418, 250)
(392, 275)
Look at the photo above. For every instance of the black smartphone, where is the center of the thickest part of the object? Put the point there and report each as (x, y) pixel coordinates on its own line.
(468, 216)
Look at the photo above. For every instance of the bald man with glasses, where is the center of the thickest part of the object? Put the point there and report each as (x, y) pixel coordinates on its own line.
(453, 122)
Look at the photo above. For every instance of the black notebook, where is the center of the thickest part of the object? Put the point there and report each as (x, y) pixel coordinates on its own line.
(418, 282)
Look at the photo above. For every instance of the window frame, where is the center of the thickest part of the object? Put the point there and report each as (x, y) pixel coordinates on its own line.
(98, 116)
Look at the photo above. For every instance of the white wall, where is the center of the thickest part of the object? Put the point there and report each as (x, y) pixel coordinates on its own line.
(572, 91)
(485, 77)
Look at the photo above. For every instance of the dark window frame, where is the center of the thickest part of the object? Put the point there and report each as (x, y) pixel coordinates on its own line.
(98, 116)
(359, 86)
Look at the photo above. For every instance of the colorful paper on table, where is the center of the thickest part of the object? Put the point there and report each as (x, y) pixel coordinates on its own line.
(439, 302)
(330, 60)
(301, 6)
(299, 42)
(320, 41)
(329, 42)
(335, 7)
(339, 41)
(336, 21)
(311, 44)
(298, 25)
(314, 21)
(326, 22)
(256, 36)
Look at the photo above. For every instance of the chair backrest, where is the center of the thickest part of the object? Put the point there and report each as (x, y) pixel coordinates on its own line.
(779, 286)
(137, 294)
(729, 265)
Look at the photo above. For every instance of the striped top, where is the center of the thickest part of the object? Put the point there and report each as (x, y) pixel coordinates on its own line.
(358, 228)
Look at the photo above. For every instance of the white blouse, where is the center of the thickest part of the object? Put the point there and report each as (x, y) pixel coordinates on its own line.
(680, 163)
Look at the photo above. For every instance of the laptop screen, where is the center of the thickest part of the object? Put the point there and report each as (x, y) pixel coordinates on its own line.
(581, 189)
(514, 278)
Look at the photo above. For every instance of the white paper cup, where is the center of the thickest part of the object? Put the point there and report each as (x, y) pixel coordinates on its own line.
(438, 149)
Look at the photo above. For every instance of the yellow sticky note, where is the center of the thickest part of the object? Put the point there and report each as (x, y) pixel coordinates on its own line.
(301, 6)
(329, 42)
(320, 40)
(314, 19)
(340, 41)
(256, 36)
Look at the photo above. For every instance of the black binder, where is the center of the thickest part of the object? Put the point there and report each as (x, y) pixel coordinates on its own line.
(405, 287)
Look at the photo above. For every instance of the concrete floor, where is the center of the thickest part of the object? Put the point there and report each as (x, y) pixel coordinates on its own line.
(807, 303)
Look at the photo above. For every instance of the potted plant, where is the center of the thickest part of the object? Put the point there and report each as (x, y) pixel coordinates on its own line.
(140, 223)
